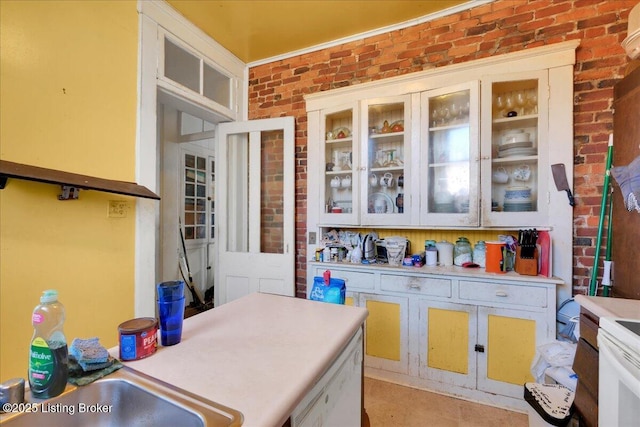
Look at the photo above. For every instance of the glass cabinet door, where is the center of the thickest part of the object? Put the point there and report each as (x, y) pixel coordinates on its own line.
(386, 154)
(450, 156)
(340, 157)
(515, 150)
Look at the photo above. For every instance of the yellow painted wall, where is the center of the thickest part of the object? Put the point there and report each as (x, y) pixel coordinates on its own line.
(68, 83)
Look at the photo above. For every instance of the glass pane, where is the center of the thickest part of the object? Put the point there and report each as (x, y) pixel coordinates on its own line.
(212, 198)
(339, 154)
(195, 196)
(449, 147)
(514, 163)
(181, 66)
(238, 193)
(217, 86)
(385, 194)
(271, 192)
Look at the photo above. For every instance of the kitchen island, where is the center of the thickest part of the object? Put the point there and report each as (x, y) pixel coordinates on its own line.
(261, 354)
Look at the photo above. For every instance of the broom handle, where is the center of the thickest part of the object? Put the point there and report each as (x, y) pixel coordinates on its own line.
(593, 285)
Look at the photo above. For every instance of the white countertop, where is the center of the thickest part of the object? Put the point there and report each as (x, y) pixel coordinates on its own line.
(610, 307)
(259, 354)
(451, 270)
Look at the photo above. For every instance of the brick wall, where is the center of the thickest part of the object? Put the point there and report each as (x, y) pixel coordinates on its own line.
(277, 89)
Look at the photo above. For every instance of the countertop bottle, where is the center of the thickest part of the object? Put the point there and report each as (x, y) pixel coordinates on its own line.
(431, 253)
(479, 253)
(462, 251)
(48, 355)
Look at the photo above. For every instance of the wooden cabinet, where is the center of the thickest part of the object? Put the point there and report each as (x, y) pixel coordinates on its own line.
(448, 336)
(444, 329)
(464, 146)
(625, 250)
(386, 332)
(585, 365)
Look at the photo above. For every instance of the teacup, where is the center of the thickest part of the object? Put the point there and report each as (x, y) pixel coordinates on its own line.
(346, 181)
(373, 180)
(335, 182)
(522, 173)
(387, 180)
(500, 176)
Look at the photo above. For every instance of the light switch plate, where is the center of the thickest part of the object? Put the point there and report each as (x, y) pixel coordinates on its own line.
(312, 237)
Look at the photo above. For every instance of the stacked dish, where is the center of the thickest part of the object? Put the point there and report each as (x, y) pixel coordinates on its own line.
(516, 142)
(518, 199)
(632, 43)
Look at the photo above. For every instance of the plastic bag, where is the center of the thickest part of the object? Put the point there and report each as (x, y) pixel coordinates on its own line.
(329, 290)
(555, 359)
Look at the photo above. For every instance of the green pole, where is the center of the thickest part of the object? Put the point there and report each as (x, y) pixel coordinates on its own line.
(606, 281)
(593, 285)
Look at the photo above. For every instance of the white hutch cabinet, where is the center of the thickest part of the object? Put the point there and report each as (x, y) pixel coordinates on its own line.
(466, 146)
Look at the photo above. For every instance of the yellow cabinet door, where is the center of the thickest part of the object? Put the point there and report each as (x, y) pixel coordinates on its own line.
(510, 338)
(386, 332)
(447, 341)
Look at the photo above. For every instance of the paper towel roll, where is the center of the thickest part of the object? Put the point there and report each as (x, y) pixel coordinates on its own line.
(445, 253)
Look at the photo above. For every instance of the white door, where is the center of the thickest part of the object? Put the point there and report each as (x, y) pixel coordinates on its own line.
(256, 208)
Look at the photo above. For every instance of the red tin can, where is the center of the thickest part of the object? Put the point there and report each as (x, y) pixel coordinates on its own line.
(138, 338)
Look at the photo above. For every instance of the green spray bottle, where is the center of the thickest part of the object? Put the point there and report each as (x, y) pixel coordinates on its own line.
(48, 355)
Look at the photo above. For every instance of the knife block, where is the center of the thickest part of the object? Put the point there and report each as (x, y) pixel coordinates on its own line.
(527, 266)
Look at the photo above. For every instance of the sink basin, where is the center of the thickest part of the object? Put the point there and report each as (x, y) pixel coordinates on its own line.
(125, 398)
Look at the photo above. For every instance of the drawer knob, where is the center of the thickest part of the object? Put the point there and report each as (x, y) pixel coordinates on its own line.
(502, 294)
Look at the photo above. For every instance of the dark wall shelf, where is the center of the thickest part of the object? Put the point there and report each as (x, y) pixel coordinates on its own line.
(71, 182)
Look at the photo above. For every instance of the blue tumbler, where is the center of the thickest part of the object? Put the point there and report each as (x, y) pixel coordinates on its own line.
(170, 311)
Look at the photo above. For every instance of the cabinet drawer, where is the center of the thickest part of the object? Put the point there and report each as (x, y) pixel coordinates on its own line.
(352, 279)
(421, 285)
(510, 294)
(589, 327)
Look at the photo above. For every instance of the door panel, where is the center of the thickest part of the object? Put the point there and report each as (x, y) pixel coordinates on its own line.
(256, 226)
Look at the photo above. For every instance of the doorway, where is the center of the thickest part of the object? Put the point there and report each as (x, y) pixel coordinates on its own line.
(187, 213)
(223, 216)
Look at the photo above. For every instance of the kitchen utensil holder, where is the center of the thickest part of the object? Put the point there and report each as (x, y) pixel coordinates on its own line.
(526, 266)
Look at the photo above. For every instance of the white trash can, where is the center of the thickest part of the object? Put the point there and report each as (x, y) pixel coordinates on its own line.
(549, 404)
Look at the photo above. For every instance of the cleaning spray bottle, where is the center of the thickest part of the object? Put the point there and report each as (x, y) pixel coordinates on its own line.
(48, 355)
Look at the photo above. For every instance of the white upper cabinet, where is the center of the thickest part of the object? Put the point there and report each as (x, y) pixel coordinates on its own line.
(452, 147)
(386, 161)
(450, 154)
(339, 165)
(515, 155)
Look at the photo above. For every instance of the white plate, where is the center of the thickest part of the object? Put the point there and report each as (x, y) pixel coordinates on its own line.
(380, 196)
(632, 45)
(509, 145)
(517, 152)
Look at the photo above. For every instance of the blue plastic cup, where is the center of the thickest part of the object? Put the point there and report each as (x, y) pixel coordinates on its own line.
(171, 315)
(170, 291)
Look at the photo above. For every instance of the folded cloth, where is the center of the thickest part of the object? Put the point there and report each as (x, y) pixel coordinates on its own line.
(628, 178)
(79, 377)
(88, 350)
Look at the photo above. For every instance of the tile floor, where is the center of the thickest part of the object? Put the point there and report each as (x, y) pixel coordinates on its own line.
(390, 405)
